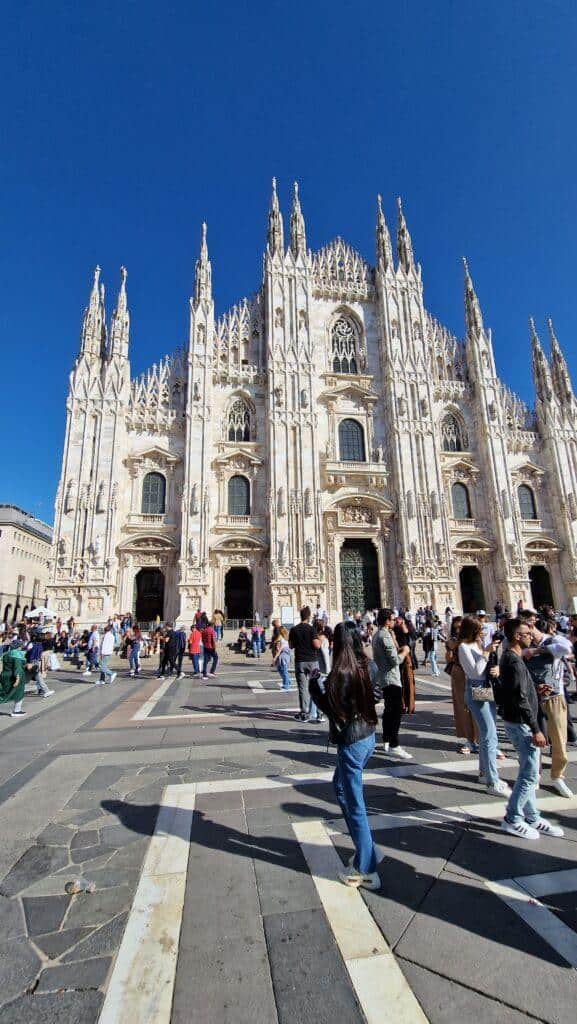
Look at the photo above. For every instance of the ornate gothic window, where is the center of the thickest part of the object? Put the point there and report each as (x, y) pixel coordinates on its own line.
(461, 502)
(154, 495)
(344, 347)
(453, 437)
(239, 422)
(238, 496)
(351, 441)
(527, 505)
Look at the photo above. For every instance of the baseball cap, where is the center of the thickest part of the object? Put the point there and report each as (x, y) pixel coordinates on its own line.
(481, 612)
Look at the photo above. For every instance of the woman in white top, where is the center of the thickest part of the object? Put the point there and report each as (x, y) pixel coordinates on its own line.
(473, 659)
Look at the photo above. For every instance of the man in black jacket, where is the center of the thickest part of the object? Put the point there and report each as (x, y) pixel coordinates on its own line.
(518, 704)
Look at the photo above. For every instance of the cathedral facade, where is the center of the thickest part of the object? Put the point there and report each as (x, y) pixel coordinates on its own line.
(325, 441)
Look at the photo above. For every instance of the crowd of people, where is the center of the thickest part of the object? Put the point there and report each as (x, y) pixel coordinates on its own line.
(518, 668)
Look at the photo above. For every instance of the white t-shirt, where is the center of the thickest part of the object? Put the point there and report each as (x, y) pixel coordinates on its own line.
(107, 643)
(559, 646)
(472, 661)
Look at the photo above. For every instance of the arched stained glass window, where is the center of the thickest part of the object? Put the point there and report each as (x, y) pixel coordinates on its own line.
(344, 346)
(351, 441)
(154, 494)
(453, 437)
(239, 422)
(461, 501)
(238, 496)
(527, 505)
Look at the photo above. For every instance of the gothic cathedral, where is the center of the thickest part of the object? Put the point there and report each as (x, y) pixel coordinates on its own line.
(325, 441)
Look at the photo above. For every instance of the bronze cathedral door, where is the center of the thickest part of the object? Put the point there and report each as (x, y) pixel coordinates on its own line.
(360, 587)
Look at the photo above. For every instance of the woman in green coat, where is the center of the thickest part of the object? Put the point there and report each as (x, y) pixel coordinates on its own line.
(12, 679)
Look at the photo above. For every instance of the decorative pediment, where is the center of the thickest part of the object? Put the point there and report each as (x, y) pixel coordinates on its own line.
(542, 544)
(456, 467)
(473, 544)
(153, 456)
(240, 458)
(231, 544)
(356, 389)
(146, 543)
(528, 470)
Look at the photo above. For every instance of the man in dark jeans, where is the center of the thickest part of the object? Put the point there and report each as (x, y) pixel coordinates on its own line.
(168, 652)
(304, 642)
(180, 641)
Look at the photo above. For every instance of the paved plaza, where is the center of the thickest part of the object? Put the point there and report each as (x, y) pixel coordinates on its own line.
(205, 817)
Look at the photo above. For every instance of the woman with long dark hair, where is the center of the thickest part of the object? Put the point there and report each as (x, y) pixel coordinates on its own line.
(348, 699)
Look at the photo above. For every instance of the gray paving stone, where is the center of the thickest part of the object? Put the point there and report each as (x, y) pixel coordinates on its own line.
(469, 935)
(79, 818)
(85, 838)
(285, 885)
(240, 991)
(446, 1002)
(103, 942)
(130, 856)
(208, 802)
(115, 836)
(92, 909)
(310, 979)
(44, 913)
(90, 853)
(19, 966)
(79, 976)
(68, 1007)
(108, 877)
(102, 777)
(564, 905)
(36, 863)
(486, 852)
(56, 835)
(56, 943)
(11, 918)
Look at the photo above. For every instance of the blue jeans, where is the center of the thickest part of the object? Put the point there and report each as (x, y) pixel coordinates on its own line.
(134, 658)
(433, 662)
(348, 785)
(256, 648)
(483, 711)
(522, 806)
(104, 670)
(195, 658)
(282, 669)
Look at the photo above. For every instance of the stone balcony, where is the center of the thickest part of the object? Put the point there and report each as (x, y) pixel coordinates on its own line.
(338, 473)
(145, 521)
(464, 525)
(532, 525)
(245, 523)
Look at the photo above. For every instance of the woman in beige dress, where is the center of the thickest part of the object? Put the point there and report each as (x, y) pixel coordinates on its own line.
(464, 723)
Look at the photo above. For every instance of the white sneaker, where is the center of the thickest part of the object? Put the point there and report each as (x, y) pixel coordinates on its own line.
(520, 829)
(181, 676)
(98, 682)
(17, 714)
(386, 746)
(545, 828)
(47, 693)
(499, 789)
(87, 673)
(401, 753)
(562, 788)
(131, 673)
(354, 879)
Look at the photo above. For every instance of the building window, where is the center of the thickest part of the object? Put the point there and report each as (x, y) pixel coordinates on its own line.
(344, 346)
(453, 437)
(351, 441)
(238, 496)
(527, 505)
(461, 502)
(239, 422)
(154, 495)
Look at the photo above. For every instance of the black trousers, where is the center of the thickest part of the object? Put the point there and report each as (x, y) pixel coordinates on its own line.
(179, 658)
(393, 700)
(167, 662)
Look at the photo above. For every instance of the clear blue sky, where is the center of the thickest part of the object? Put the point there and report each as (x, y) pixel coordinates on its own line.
(124, 125)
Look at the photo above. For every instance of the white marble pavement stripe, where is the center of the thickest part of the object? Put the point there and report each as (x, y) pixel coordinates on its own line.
(142, 983)
(547, 925)
(380, 986)
(149, 705)
(550, 883)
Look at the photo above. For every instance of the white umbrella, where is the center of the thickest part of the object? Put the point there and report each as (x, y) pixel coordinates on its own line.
(37, 612)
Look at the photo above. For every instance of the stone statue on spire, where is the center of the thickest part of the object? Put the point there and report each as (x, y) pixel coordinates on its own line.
(384, 247)
(404, 243)
(120, 321)
(473, 315)
(540, 367)
(298, 241)
(275, 238)
(93, 331)
(202, 272)
(560, 377)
